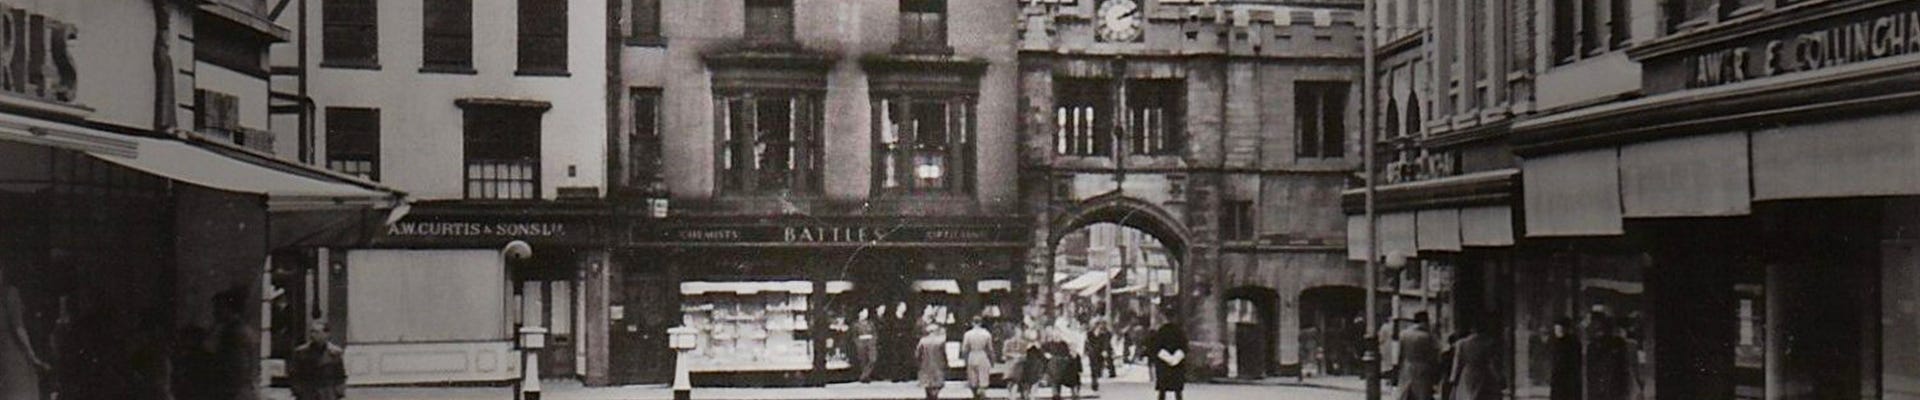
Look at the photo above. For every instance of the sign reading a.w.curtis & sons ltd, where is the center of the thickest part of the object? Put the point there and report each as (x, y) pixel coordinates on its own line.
(815, 234)
(467, 230)
(1880, 33)
(35, 60)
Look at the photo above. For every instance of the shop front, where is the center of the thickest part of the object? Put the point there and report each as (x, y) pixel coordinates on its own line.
(433, 299)
(776, 300)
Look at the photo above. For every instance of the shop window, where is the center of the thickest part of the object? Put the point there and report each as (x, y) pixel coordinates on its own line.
(924, 145)
(1236, 220)
(923, 25)
(349, 34)
(502, 150)
(769, 142)
(353, 141)
(543, 37)
(466, 303)
(1320, 127)
(1084, 129)
(769, 21)
(753, 325)
(1154, 116)
(641, 171)
(643, 16)
(448, 31)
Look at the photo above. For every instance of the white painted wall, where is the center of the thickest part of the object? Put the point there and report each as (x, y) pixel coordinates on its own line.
(421, 134)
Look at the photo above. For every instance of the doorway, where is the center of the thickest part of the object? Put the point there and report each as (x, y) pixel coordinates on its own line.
(643, 307)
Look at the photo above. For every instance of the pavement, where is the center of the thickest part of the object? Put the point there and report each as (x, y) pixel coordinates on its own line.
(1133, 382)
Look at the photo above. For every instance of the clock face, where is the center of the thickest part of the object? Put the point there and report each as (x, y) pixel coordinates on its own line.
(1119, 21)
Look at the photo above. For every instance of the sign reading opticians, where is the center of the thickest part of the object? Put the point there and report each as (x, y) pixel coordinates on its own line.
(35, 60)
(1882, 33)
(828, 235)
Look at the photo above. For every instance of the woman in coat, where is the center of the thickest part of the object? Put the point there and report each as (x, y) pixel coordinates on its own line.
(932, 354)
(1063, 367)
(1168, 353)
(1476, 369)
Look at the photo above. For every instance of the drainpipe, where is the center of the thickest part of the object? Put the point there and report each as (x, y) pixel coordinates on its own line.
(164, 118)
(308, 110)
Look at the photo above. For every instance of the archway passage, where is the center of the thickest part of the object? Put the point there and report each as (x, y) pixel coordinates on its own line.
(1332, 331)
(1251, 319)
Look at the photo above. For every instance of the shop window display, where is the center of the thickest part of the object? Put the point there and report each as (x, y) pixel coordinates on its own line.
(750, 326)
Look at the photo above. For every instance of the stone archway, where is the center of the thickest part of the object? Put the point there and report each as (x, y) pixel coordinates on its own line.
(1253, 331)
(1149, 219)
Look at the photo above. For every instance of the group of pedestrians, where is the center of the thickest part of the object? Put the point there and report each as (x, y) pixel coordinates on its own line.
(1469, 368)
(1054, 357)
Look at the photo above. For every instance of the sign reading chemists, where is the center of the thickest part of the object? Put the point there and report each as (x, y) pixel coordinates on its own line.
(1859, 37)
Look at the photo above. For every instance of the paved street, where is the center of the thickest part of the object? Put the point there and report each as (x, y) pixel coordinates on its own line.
(1132, 384)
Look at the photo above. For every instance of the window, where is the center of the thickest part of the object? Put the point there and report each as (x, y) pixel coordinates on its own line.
(769, 142)
(644, 17)
(924, 145)
(216, 114)
(353, 141)
(769, 21)
(502, 148)
(1236, 220)
(923, 25)
(350, 34)
(543, 37)
(641, 171)
(1320, 127)
(1583, 28)
(1083, 127)
(1154, 115)
(448, 33)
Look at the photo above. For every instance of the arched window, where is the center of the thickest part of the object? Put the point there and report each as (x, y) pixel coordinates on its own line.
(1392, 126)
(1414, 123)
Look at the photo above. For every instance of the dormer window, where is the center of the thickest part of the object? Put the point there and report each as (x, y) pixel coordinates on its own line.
(923, 26)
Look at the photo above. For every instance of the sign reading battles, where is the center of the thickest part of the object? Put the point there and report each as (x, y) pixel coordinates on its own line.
(807, 234)
(1883, 33)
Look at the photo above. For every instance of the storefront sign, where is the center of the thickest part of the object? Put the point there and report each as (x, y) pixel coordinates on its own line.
(819, 234)
(1879, 34)
(35, 60)
(486, 230)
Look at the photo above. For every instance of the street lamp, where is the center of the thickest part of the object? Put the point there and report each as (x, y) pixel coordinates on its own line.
(682, 339)
(532, 337)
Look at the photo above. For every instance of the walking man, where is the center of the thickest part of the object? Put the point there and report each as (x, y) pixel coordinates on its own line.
(866, 346)
(976, 346)
(1419, 360)
(1100, 351)
(1476, 370)
(316, 370)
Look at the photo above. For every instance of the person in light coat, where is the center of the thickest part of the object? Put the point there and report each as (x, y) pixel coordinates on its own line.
(932, 355)
(976, 346)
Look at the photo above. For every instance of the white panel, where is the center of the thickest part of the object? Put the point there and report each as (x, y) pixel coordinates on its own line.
(438, 362)
(559, 307)
(1486, 226)
(396, 296)
(1439, 229)
(1573, 194)
(1877, 156)
(1695, 176)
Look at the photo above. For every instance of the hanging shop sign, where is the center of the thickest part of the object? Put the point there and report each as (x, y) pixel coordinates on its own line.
(35, 57)
(827, 234)
(1882, 33)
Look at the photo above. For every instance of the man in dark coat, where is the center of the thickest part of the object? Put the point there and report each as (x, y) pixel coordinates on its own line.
(1167, 354)
(1100, 352)
(315, 370)
(1476, 364)
(1419, 360)
(1606, 360)
(1566, 360)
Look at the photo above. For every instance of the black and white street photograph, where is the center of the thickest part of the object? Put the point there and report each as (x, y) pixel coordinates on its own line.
(960, 199)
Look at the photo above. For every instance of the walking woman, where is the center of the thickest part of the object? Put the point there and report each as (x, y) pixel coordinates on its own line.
(1168, 354)
(932, 354)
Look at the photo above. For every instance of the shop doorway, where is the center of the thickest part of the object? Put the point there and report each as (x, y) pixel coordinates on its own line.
(1250, 317)
(642, 307)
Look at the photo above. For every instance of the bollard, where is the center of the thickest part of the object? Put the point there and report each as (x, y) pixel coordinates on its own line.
(532, 339)
(683, 340)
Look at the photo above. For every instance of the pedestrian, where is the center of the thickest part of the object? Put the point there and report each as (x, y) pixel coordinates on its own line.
(976, 346)
(1419, 360)
(21, 367)
(1476, 369)
(1100, 352)
(1063, 367)
(1565, 345)
(866, 345)
(932, 355)
(897, 347)
(1031, 367)
(1446, 362)
(1606, 360)
(315, 370)
(1167, 354)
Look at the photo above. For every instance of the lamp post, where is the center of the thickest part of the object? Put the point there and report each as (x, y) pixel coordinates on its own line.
(683, 340)
(1371, 358)
(532, 337)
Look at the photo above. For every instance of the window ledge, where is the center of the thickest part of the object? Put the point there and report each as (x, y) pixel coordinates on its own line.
(449, 69)
(543, 73)
(366, 65)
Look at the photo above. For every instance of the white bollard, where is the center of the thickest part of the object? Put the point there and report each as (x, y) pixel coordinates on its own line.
(532, 339)
(683, 340)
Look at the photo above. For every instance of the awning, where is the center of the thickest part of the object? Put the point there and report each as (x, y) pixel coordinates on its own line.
(747, 288)
(937, 286)
(1486, 226)
(1873, 156)
(286, 186)
(994, 284)
(1573, 194)
(1438, 229)
(1399, 233)
(1694, 176)
(1090, 279)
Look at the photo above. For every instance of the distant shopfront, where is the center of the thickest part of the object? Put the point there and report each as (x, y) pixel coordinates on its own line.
(432, 299)
(774, 298)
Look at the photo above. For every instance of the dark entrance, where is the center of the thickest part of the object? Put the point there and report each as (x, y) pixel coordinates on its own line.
(1330, 328)
(643, 307)
(1250, 310)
